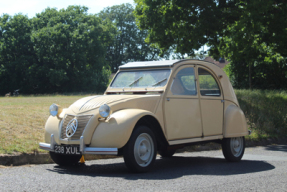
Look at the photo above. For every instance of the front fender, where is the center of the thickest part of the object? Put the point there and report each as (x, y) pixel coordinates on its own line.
(234, 122)
(52, 127)
(116, 131)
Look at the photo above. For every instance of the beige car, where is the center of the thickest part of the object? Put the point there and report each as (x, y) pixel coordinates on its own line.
(150, 107)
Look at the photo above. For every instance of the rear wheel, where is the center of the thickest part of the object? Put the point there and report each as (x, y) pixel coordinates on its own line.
(140, 151)
(64, 160)
(233, 148)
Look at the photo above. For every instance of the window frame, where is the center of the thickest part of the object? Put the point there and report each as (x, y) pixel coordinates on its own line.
(175, 72)
(214, 77)
(142, 87)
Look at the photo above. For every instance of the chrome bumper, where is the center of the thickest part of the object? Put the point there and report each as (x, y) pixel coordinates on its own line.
(83, 148)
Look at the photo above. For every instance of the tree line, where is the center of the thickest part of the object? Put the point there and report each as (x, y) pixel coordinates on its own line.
(69, 50)
(250, 34)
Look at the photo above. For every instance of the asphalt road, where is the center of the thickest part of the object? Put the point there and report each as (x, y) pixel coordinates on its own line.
(262, 169)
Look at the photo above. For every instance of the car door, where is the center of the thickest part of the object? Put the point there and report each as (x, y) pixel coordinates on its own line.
(211, 102)
(181, 105)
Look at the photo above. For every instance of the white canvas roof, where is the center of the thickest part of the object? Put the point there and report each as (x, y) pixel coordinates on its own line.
(140, 64)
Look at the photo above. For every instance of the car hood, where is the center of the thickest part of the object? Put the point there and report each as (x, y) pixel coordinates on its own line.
(116, 102)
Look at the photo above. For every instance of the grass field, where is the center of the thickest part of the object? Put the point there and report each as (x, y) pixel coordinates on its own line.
(22, 121)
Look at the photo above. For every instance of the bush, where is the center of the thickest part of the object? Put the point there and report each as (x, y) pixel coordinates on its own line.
(265, 110)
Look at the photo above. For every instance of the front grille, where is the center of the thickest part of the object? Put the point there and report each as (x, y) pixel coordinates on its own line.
(82, 123)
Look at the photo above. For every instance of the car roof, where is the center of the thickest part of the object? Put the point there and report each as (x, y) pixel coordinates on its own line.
(149, 64)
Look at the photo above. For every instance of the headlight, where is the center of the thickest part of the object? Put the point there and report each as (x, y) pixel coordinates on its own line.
(104, 110)
(55, 109)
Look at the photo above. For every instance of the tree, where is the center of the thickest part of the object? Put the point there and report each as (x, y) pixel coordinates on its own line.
(70, 47)
(16, 52)
(258, 56)
(129, 42)
(185, 24)
(56, 51)
(252, 34)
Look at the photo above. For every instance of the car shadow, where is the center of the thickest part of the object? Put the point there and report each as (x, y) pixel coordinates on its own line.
(282, 148)
(169, 168)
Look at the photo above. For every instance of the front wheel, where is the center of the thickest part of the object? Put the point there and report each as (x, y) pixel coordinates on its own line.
(233, 148)
(140, 151)
(64, 160)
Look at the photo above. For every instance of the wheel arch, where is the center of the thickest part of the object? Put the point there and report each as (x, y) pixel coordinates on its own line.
(154, 125)
(115, 132)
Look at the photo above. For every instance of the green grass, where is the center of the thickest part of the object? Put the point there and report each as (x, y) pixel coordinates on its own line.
(22, 121)
(265, 111)
(256, 136)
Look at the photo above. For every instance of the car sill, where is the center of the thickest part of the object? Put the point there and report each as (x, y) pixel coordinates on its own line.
(192, 140)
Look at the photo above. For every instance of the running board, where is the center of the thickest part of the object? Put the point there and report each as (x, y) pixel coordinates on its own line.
(193, 140)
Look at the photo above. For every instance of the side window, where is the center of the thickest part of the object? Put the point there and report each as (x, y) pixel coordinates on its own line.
(184, 82)
(207, 83)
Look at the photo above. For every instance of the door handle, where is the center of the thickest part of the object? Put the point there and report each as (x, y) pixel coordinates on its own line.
(167, 99)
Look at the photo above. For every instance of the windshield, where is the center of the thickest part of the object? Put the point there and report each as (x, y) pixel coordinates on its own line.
(149, 78)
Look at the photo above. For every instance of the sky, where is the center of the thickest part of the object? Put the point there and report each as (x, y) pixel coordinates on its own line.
(31, 7)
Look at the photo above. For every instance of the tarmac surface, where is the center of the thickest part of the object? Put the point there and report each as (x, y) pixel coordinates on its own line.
(261, 169)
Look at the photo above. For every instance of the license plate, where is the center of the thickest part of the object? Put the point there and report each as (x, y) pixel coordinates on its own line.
(67, 149)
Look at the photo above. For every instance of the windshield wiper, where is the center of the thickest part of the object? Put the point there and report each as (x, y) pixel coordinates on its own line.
(135, 81)
(159, 82)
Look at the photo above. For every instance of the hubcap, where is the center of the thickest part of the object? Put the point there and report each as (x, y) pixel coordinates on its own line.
(236, 145)
(144, 149)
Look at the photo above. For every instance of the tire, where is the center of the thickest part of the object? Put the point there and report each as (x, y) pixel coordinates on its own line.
(141, 149)
(166, 152)
(233, 148)
(65, 160)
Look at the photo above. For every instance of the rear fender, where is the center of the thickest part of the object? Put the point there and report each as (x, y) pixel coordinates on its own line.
(234, 122)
